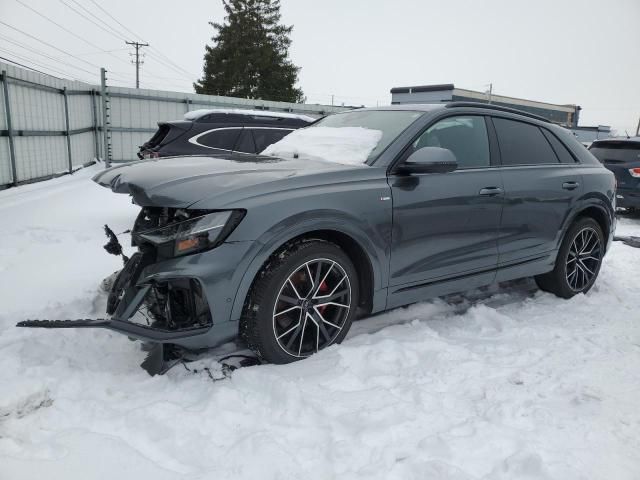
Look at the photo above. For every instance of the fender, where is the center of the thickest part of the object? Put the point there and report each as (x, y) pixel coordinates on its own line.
(374, 242)
(592, 200)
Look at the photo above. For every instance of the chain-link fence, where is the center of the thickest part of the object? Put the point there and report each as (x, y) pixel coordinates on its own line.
(50, 126)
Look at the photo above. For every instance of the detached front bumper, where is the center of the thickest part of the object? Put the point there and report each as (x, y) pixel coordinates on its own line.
(207, 282)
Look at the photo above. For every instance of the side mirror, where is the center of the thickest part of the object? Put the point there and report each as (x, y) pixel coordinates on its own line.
(429, 160)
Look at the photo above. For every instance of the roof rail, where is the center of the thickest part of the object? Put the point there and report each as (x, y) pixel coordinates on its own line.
(493, 106)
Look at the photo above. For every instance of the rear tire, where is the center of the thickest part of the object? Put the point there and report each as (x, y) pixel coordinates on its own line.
(303, 300)
(578, 262)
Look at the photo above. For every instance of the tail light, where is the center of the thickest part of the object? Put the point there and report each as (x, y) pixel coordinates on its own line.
(635, 172)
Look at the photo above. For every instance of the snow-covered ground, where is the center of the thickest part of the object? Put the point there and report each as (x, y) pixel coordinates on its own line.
(516, 385)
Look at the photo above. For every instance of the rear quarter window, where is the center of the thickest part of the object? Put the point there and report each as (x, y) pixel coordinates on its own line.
(561, 150)
(224, 138)
(245, 143)
(263, 137)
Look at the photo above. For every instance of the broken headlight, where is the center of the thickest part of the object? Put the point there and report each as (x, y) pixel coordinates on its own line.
(193, 235)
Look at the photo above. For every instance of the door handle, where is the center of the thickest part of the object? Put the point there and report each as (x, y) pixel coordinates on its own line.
(570, 185)
(490, 191)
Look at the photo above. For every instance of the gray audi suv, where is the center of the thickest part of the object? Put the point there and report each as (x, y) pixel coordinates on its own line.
(285, 250)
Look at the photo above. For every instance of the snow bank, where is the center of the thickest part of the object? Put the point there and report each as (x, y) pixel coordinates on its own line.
(348, 145)
(509, 384)
(195, 114)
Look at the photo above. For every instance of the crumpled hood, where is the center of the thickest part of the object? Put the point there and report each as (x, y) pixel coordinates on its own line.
(182, 181)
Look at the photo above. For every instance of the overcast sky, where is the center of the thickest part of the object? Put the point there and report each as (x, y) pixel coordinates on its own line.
(572, 51)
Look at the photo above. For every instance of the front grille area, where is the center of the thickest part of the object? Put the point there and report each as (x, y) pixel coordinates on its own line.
(175, 305)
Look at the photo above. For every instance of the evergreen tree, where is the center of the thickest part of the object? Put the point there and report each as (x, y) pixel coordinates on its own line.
(249, 56)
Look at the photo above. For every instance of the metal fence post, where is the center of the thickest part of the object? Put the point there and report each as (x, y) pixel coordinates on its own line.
(94, 119)
(105, 117)
(7, 110)
(66, 125)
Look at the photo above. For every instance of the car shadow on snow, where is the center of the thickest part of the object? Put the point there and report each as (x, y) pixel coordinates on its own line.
(493, 296)
(223, 360)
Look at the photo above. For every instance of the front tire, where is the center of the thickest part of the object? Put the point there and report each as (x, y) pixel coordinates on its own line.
(578, 262)
(302, 301)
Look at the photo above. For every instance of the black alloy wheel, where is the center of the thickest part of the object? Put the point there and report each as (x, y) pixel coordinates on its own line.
(583, 260)
(578, 261)
(312, 307)
(303, 300)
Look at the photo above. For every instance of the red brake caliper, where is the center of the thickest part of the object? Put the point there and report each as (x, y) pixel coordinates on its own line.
(324, 288)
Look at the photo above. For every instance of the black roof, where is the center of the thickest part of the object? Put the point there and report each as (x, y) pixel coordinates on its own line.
(428, 107)
(423, 88)
(618, 140)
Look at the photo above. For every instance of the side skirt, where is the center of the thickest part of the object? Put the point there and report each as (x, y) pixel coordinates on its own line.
(405, 295)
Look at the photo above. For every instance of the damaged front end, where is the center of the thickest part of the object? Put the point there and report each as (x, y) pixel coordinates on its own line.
(164, 310)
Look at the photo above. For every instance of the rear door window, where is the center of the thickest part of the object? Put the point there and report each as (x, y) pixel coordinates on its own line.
(223, 138)
(263, 137)
(522, 143)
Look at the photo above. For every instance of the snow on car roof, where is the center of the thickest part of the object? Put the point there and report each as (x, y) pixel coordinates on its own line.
(196, 114)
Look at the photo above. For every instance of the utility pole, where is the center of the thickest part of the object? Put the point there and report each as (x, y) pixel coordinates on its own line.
(138, 62)
(490, 91)
(638, 128)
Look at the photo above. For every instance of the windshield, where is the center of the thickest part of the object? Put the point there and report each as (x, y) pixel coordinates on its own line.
(389, 122)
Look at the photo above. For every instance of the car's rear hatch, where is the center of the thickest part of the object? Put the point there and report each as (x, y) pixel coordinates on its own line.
(619, 156)
(167, 132)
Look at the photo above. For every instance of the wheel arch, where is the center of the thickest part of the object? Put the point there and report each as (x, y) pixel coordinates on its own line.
(600, 216)
(364, 254)
(599, 213)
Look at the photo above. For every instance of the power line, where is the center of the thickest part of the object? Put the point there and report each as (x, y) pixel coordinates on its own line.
(104, 51)
(26, 66)
(43, 65)
(64, 28)
(116, 20)
(39, 52)
(169, 66)
(90, 20)
(191, 75)
(167, 61)
(110, 27)
(48, 45)
(157, 56)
